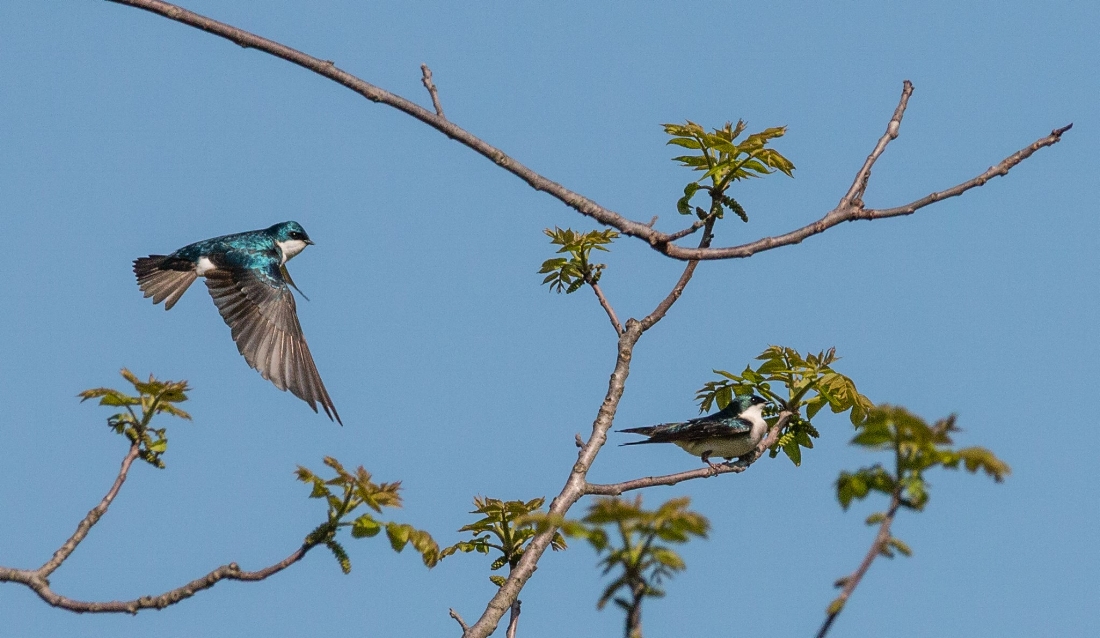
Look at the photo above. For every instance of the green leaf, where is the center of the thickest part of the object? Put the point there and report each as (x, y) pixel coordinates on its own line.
(365, 527)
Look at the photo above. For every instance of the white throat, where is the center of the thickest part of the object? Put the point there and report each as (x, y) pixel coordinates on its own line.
(290, 248)
(754, 415)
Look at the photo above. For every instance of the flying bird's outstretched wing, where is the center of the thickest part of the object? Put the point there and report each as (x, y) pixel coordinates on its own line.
(259, 308)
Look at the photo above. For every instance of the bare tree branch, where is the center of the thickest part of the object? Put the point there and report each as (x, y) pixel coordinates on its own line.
(607, 307)
(41, 586)
(736, 467)
(428, 84)
(92, 518)
(850, 210)
(38, 579)
(852, 581)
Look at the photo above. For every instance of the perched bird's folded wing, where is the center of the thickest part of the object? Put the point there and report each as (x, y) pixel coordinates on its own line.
(694, 430)
(164, 278)
(259, 308)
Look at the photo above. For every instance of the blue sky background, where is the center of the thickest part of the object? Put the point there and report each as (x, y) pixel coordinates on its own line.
(126, 134)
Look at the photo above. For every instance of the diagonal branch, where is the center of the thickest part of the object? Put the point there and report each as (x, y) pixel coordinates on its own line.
(93, 516)
(850, 209)
(607, 308)
(859, 186)
(736, 467)
(851, 582)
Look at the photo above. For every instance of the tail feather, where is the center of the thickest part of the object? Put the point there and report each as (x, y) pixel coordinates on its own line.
(164, 278)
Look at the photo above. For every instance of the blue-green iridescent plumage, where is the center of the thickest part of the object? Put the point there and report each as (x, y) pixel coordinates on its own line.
(731, 432)
(248, 280)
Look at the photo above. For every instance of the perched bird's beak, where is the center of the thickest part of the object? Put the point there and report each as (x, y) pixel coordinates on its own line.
(309, 242)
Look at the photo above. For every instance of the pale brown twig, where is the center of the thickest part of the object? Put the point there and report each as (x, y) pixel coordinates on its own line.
(461, 623)
(607, 307)
(662, 242)
(93, 516)
(851, 582)
(432, 91)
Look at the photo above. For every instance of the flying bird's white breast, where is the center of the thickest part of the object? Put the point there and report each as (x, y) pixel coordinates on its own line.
(290, 248)
(204, 266)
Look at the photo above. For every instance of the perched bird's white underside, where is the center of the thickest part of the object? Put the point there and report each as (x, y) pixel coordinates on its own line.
(731, 448)
(290, 248)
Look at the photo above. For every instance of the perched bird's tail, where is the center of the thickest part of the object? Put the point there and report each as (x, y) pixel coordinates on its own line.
(164, 278)
(647, 431)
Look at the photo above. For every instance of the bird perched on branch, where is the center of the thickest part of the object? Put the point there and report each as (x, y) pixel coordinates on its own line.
(729, 433)
(247, 277)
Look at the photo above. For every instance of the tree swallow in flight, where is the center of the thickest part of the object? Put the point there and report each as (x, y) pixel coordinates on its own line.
(247, 277)
(732, 432)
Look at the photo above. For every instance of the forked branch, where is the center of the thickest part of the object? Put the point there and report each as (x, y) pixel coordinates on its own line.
(38, 579)
(850, 208)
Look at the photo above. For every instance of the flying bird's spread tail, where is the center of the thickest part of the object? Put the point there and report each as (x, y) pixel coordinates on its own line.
(247, 277)
(164, 278)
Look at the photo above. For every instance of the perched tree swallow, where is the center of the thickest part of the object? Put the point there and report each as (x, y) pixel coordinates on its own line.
(732, 432)
(247, 277)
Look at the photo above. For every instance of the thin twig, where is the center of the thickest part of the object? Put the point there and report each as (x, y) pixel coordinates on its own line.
(662, 308)
(93, 516)
(461, 623)
(662, 242)
(428, 84)
(859, 185)
(607, 307)
(513, 620)
(735, 467)
(851, 582)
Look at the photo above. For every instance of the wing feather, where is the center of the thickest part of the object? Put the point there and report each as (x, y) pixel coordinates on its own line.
(263, 318)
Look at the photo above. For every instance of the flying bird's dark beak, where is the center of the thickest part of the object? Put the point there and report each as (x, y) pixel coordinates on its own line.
(309, 242)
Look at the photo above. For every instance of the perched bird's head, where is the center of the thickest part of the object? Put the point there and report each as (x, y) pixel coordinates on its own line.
(291, 238)
(746, 401)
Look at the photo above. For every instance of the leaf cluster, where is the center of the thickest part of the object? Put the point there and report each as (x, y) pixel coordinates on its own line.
(724, 160)
(917, 447)
(811, 384)
(345, 493)
(642, 551)
(568, 274)
(506, 527)
(153, 397)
